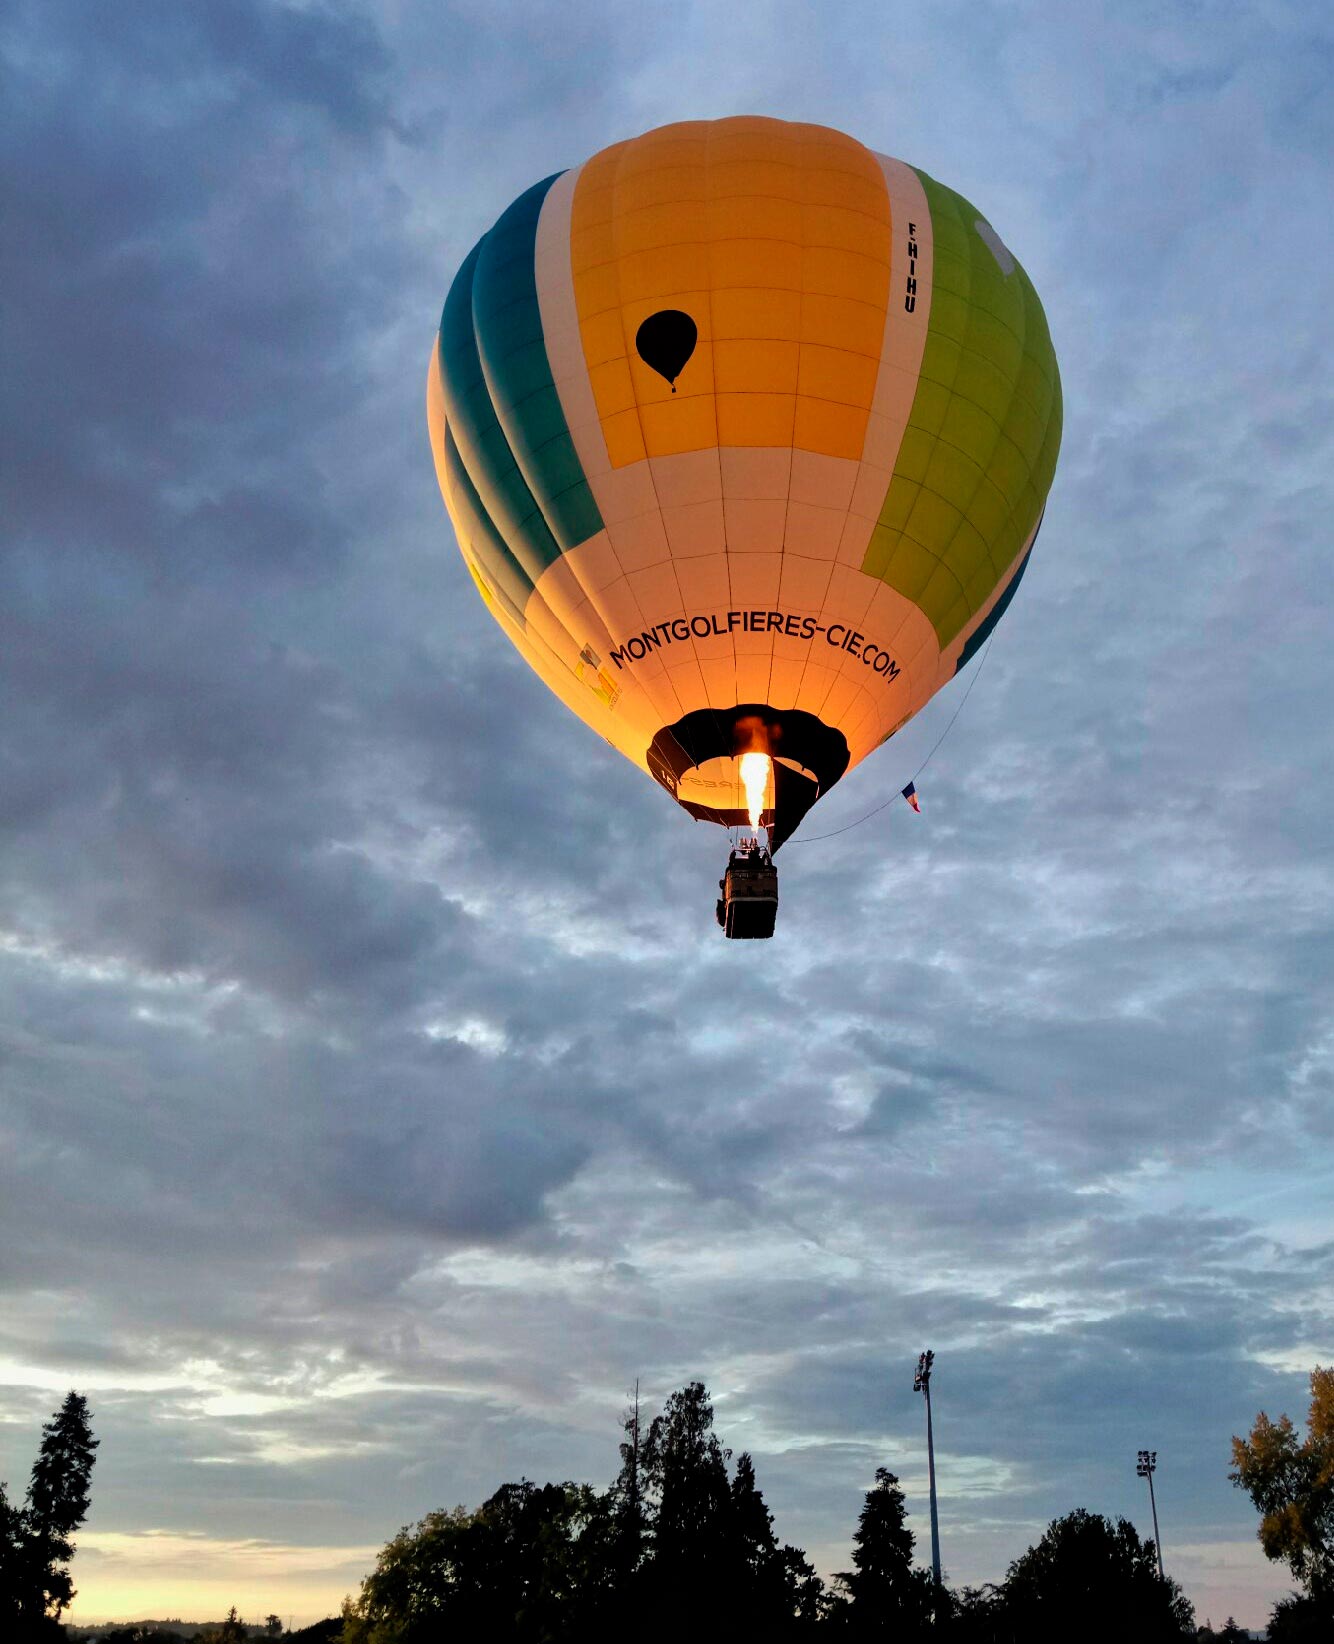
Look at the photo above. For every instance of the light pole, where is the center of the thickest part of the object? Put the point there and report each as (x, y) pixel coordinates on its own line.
(1145, 1467)
(922, 1384)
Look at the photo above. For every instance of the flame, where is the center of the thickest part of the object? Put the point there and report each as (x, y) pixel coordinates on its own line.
(755, 779)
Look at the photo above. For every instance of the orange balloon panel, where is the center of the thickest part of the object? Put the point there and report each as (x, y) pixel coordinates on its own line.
(746, 433)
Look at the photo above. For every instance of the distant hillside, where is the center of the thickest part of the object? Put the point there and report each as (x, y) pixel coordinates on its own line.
(167, 1632)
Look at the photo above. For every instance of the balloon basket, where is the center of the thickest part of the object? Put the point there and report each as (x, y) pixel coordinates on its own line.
(748, 906)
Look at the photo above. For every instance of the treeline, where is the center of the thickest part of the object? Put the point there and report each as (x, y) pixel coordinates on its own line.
(681, 1547)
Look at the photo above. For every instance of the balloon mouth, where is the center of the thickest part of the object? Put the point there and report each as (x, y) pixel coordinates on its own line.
(804, 759)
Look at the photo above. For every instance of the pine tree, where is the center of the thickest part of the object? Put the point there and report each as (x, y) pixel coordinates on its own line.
(888, 1596)
(685, 1468)
(231, 1631)
(752, 1522)
(58, 1493)
(631, 1511)
(774, 1592)
(36, 1543)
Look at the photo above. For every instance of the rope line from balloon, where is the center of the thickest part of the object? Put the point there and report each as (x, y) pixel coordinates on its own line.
(977, 674)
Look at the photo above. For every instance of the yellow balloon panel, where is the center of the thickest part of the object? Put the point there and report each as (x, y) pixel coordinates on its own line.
(774, 238)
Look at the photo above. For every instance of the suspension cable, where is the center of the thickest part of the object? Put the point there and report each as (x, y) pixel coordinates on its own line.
(977, 674)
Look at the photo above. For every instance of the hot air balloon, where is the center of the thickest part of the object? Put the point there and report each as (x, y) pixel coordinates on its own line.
(746, 433)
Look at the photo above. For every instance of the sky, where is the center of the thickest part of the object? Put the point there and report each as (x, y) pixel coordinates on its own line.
(378, 1100)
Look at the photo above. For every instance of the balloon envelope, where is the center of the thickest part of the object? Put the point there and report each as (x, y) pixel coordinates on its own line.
(746, 433)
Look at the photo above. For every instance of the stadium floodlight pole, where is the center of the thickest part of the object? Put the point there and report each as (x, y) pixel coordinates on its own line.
(1146, 1466)
(922, 1384)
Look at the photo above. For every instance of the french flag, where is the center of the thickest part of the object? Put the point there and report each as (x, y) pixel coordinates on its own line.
(910, 794)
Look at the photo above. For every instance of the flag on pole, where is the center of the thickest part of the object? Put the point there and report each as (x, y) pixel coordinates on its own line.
(910, 794)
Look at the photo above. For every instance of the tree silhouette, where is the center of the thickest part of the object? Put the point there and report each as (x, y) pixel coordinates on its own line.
(685, 1468)
(512, 1570)
(773, 1592)
(319, 1632)
(754, 1547)
(11, 1559)
(231, 1631)
(629, 1507)
(1301, 1619)
(886, 1596)
(976, 1616)
(36, 1541)
(1097, 1580)
(804, 1595)
(681, 1547)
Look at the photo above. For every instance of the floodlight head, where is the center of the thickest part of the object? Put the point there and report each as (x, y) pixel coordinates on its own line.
(923, 1377)
(1146, 1463)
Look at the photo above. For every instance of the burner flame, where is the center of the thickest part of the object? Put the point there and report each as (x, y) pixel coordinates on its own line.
(755, 780)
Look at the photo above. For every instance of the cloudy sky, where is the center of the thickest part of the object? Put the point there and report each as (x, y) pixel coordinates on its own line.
(377, 1098)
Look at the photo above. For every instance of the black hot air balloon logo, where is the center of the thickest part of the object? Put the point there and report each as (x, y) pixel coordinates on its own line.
(665, 341)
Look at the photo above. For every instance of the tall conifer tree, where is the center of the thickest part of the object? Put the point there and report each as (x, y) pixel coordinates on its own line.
(36, 1541)
(685, 1467)
(889, 1597)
